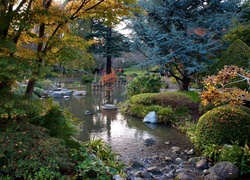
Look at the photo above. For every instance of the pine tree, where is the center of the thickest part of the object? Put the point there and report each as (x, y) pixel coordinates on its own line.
(109, 43)
(182, 36)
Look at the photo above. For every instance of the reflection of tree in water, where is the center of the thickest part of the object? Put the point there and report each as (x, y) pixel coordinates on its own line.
(100, 120)
(109, 115)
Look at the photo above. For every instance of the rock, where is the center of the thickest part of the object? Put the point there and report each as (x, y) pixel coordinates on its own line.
(190, 152)
(225, 170)
(168, 159)
(170, 175)
(146, 174)
(202, 164)
(174, 148)
(167, 142)
(212, 176)
(178, 160)
(136, 164)
(149, 141)
(117, 177)
(150, 117)
(185, 176)
(138, 174)
(154, 170)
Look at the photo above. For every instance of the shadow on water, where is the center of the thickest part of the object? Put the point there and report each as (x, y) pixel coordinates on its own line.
(125, 134)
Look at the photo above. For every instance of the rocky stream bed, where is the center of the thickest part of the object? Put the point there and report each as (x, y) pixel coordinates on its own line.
(176, 164)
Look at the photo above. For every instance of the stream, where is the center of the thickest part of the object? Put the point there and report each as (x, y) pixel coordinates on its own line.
(125, 134)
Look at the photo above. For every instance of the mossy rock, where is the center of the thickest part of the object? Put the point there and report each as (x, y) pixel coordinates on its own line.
(223, 125)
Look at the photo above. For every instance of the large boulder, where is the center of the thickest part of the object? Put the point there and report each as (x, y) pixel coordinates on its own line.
(223, 170)
(151, 117)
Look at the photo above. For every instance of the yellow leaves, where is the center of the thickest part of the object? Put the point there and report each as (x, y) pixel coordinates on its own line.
(216, 90)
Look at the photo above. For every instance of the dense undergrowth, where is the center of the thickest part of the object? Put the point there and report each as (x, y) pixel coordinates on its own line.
(37, 143)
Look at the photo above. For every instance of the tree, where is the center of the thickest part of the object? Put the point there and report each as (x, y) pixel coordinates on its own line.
(184, 36)
(238, 53)
(36, 34)
(109, 43)
(242, 29)
(218, 89)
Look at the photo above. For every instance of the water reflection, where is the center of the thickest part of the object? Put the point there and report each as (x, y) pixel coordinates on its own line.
(126, 135)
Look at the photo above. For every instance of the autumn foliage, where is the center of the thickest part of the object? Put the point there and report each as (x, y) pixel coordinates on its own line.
(109, 79)
(219, 88)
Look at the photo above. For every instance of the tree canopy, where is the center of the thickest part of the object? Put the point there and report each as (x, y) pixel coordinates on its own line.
(184, 36)
(36, 34)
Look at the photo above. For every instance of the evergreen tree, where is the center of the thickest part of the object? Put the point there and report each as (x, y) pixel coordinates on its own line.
(184, 36)
(109, 43)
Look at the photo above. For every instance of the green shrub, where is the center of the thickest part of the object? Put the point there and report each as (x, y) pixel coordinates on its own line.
(166, 104)
(222, 125)
(165, 115)
(145, 98)
(15, 106)
(27, 152)
(97, 161)
(177, 100)
(87, 78)
(57, 121)
(236, 154)
(143, 84)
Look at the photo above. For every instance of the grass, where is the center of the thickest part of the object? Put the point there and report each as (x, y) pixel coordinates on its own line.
(194, 95)
(134, 70)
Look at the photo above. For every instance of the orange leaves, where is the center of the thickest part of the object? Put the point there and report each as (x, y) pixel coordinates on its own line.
(217, 90)
(109, 78)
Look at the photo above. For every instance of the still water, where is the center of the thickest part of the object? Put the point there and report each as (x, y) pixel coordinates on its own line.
(125, 134)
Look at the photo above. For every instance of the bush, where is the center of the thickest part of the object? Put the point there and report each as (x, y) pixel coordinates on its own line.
(144, 99)
(143, 84)
(166, 104)
(236, 154)
(177, 100)
(14, 106)
(223, 125)
(87, 78)
(27, 152)
(97, 161)
(57, 121)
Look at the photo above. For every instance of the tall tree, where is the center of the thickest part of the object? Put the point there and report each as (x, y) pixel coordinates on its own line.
(109, 43)
(35, 34)
(182, 35)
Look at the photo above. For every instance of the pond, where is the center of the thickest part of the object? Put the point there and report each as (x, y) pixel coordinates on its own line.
(126, 135)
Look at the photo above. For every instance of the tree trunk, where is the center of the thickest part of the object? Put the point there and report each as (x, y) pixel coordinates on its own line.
(108, 66)
(185, 83)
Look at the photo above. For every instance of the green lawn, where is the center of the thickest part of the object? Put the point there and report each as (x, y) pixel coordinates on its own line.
(133, 70)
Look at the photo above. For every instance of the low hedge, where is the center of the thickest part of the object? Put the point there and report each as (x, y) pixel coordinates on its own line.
(167, 105)
(165, 115)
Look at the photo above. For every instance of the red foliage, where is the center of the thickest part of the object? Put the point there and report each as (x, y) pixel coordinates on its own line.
(109, 78)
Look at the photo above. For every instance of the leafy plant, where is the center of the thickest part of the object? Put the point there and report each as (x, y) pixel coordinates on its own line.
(97, 161)
(87, 78)
(143, 84)
(236, 154)
(217, 91)
(58, 122)
(109, 79)
(27, 152)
